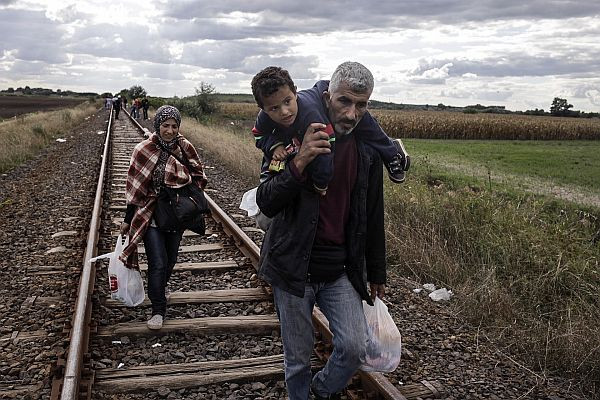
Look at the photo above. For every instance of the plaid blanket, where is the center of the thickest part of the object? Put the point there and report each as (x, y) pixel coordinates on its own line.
(140, 190)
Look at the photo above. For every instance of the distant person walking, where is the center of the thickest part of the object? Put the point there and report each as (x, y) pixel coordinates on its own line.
(117, 106)
(135, 108)
(145, 106)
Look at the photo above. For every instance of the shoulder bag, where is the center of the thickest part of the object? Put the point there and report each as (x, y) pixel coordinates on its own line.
(178, 209)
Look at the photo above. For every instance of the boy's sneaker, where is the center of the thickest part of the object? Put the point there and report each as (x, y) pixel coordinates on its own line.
(155, 323)
(399, 164)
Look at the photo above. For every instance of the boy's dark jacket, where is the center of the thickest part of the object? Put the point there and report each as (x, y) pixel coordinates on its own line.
(294, 206)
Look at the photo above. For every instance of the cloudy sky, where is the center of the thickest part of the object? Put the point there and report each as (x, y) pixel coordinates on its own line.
(516, 53)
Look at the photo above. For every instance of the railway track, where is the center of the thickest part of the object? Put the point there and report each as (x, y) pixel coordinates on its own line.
(221, 336)
(45, 213)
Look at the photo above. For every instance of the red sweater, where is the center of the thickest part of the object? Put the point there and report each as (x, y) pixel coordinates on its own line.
(334, 207)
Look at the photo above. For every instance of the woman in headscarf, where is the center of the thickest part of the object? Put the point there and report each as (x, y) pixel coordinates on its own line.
(154, 167)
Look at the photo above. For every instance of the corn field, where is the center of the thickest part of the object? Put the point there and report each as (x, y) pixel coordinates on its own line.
(456, 125)
(453, 125)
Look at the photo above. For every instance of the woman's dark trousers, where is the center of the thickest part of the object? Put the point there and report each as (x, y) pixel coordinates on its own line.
(161, 253)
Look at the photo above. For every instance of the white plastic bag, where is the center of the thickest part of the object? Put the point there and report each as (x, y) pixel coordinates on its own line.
(384, 345)
(248, 203)
(126, 285)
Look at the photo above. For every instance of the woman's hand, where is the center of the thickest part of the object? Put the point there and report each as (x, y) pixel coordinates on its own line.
(124, 229)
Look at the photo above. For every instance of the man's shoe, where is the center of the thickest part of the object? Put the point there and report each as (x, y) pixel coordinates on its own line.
(155, 323)
(315, 396)
(399, 164)
(335, 396)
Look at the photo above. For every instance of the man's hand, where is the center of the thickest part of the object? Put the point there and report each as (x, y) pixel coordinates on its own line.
(315, 142)
(124, 229)
(377, 289)
(279, 153)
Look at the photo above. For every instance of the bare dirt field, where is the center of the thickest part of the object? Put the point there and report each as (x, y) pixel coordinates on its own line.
(11, 106)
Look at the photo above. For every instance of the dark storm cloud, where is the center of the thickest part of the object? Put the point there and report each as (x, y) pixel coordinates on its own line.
(320, 16)
(512, 64)
(238, 55)
(219, 29)
(247, 57)
(35, 37)
(20, 68)
(104, 40)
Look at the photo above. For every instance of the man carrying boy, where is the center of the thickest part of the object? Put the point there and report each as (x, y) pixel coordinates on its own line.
(319, 249)
(285, 115)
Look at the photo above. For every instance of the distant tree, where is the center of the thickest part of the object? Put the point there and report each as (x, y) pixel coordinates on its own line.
(200, 105)
(11, 90)
(27, 90)
(136, 91)
(535, 112)
(205, 99)
(106, 94)
(560, 107)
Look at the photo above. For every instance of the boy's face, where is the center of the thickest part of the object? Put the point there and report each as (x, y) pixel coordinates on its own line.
(282, 106)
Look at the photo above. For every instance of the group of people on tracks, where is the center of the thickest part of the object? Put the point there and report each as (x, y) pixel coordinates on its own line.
(322, 205)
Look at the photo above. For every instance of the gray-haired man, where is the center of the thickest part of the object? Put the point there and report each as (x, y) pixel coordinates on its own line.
(320, 249)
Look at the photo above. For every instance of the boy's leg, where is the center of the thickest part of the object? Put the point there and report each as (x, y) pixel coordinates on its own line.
(342, 306)
(295, 316)
(392, 151)
(399, 164)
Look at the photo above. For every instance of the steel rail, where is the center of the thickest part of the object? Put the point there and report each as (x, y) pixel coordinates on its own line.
(80, 326)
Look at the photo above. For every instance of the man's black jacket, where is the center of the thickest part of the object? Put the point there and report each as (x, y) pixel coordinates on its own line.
(294, 206)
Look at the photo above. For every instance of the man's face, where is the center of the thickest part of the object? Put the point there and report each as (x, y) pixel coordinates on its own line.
(345, 108)
(282, 106)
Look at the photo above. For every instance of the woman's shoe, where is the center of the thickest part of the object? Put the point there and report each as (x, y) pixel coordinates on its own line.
(156, 322)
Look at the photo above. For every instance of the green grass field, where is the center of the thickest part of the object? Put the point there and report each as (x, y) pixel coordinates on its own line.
(568, 167)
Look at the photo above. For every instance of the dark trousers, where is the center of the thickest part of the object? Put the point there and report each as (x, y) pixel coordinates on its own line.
(161, 253)
(145, 113)
(117, 110)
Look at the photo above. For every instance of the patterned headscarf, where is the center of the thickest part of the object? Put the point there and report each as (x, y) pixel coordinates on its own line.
(164, 113)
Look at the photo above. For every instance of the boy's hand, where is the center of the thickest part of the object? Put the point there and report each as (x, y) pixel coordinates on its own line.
(279, 153)
(315, 142)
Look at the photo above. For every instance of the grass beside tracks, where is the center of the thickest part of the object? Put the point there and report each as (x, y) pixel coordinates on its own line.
(565, 162)
(232, 145)
(23, 137)
(524, 266)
